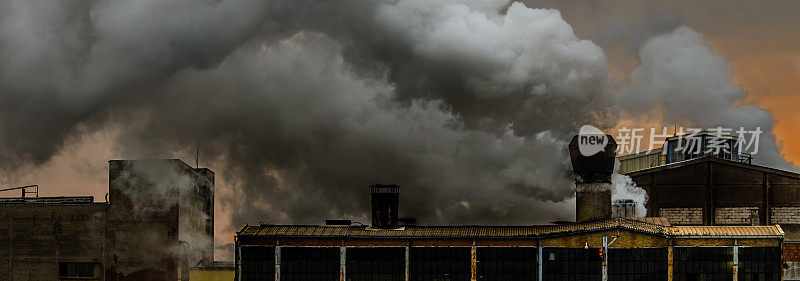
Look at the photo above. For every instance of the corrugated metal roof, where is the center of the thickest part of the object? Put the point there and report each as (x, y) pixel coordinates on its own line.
(727, 162)
(652, 226)
(662, 221)
(719, 231)
(644, 226)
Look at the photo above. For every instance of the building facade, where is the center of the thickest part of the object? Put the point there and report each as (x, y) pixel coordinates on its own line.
(158, 222)
(596, 247)
(609, 249)
(715, 191)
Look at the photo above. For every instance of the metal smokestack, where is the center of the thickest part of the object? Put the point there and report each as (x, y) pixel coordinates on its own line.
(593, 162)
(385, 198)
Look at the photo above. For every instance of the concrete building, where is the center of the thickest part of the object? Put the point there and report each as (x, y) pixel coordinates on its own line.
(597, 247)
(158, 222)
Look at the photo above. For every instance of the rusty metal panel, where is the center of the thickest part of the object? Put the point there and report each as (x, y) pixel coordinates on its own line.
(641, 180)
(377, 242)
(473, 264)
(783, 179)
(686, 174)
(738, 194)
(784, 194)
(408, 249)
(506, 243)
(441, 243)
(342, 264)
(727, 174)
(676, 195)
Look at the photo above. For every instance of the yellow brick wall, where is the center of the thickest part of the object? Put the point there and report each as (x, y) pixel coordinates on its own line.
(211, 274)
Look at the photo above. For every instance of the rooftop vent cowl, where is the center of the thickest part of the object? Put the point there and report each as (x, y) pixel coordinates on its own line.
(597, 167)
(593, 175)
(385, 198)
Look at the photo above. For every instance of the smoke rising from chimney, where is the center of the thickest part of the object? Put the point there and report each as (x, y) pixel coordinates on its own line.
(301, 104)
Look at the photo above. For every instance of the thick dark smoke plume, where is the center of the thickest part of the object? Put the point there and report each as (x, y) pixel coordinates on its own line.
(300, 105)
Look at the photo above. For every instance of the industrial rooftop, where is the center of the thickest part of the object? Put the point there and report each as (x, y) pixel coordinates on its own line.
(650, 226)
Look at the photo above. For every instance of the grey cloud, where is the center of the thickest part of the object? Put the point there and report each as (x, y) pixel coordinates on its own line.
(300, 105)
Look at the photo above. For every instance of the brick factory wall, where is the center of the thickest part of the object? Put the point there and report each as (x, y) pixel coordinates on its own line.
(35, 239)
(790, 254)
(785, 215)
(736, 216)
(682, 216)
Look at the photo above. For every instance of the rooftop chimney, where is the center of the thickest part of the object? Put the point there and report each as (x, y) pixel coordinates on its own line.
(624, 208)
(593, 162)
(385, 198)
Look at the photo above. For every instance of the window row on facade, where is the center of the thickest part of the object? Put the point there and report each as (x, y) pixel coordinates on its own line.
(258, 263)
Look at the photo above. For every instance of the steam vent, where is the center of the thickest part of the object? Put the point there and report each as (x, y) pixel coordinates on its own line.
(593, 176)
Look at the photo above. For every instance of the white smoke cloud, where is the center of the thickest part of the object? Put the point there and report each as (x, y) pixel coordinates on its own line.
(624, 188)
(681, 80)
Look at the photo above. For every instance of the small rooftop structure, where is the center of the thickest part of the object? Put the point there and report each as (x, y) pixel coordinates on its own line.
(683, 148)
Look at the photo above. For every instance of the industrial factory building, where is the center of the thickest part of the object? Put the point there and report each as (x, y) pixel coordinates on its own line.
(595, 247)
(636, 250)
(157, 222)
(719, 189)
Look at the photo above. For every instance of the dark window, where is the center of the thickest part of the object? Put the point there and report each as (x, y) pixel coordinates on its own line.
(439, 264)
(258, 263)
(376, 264)
(309, 264)
(507, 264)
(637, 264)
(78, 270)
(572, 264)
(702, 264)
(759, 264)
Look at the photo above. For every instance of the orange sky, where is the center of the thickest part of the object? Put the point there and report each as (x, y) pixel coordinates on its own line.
(760, 40)
(773, 82)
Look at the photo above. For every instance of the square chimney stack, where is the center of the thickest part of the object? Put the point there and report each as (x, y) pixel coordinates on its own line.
(385, 198)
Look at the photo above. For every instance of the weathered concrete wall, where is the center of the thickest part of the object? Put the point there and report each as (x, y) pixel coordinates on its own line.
(592, 201)
(143, 221)
(196, 227)
(159, 221)
(35, 238)
(165, 205)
